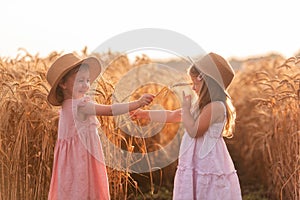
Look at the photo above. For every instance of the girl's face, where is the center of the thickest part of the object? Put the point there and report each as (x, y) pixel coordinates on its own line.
(77, 84)
(197, 83)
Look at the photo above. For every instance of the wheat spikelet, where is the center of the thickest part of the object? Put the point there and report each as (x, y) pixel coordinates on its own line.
(267, 148)
(272, 96)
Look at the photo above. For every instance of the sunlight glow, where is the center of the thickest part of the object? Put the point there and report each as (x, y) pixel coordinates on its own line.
(232, 28)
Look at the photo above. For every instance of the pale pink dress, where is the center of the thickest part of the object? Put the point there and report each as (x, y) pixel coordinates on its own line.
(79, 171)
(205, 169)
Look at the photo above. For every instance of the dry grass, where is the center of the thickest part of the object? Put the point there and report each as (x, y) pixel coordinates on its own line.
(28, 127)
(128, 185)
(267, 141)
(265, 146)
(27, 130)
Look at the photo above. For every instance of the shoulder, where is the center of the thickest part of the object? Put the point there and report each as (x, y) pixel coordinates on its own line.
(215, 106)
(216, 110)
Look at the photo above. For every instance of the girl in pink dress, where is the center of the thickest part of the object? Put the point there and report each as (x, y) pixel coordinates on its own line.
(205, 169)
(79, 170)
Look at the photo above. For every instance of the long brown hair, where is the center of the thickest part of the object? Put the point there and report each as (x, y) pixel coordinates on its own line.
(210, 92)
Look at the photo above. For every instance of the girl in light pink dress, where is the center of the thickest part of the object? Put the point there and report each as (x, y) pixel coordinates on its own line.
(205, 169)
(79, 170)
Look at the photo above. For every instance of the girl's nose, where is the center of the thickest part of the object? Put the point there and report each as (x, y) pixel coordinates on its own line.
(194, 88)
(86, 84)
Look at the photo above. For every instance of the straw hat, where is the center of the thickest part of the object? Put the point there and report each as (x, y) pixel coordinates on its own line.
(216, 67)
(62, 66)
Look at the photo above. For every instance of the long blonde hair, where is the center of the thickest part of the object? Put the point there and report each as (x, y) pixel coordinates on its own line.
(211, 91)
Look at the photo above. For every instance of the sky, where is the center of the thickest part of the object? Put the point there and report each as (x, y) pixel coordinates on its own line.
(232, 28)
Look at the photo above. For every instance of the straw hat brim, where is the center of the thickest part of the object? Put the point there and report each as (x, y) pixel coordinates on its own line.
(94, 69)
(217, 68)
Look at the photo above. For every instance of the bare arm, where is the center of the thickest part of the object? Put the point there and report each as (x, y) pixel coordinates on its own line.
(163, 116)
(210, 114)
(197, 128)
(115, 109)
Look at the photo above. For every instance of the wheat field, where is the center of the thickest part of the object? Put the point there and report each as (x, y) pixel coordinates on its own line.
(265, 147)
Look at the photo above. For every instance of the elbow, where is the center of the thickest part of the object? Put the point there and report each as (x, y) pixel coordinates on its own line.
(104, 113)
(199, 134)
(192, 134)
(195, 133)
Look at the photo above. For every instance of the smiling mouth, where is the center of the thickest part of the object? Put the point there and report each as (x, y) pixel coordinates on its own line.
(82, 92)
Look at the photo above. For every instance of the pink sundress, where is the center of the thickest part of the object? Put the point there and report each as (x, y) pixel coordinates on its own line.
(205, 169)
(79, 170)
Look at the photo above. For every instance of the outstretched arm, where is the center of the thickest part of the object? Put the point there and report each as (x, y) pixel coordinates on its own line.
(163, 116)
(115, 109)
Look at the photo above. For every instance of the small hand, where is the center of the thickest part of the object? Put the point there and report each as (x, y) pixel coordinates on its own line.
(145, 99)
(186, 101)
(138, 114)
(133, 114)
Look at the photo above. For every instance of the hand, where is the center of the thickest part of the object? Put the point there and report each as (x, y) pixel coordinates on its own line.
(139, 114)
(145, 99)
(186, 102)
